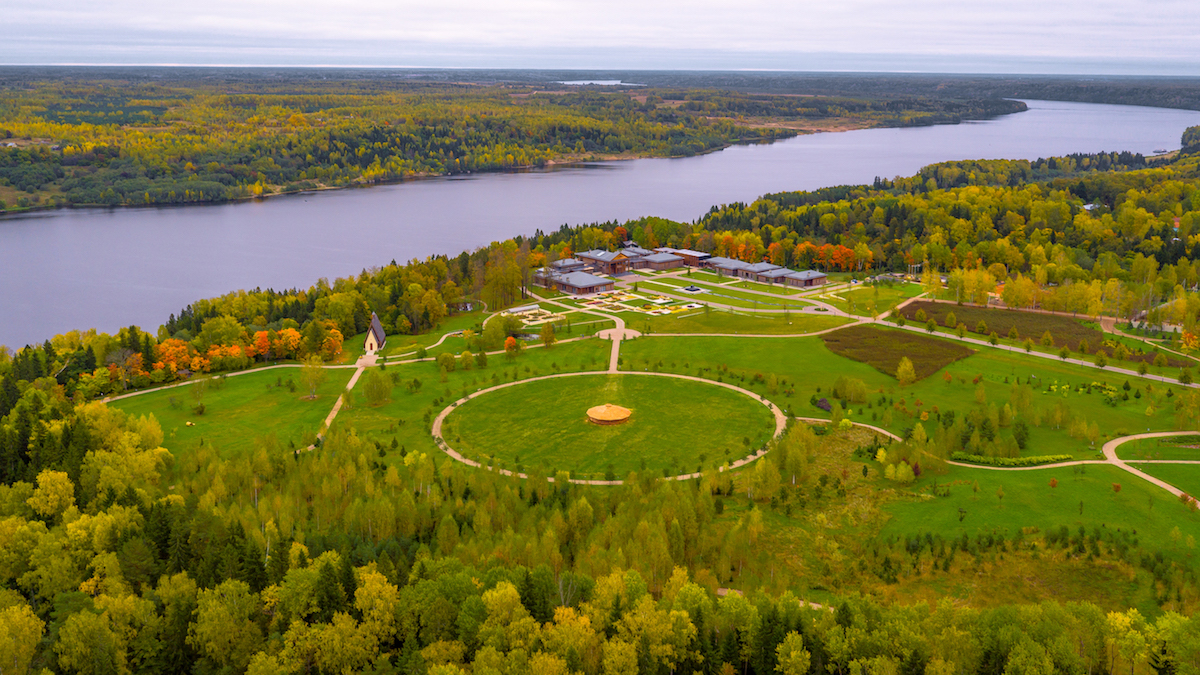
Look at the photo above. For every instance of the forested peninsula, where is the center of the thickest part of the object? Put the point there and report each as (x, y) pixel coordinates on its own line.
(221, 526)
(142, 137)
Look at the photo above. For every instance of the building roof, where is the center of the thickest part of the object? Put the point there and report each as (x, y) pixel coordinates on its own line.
(661, 258)
(581, 280)
(776, 273)
(601, 255)
(727, 263)
(568, 262)
(760, 267)
(690, 253)
(635, 250)
(377, 329)
(523, 309)
(805, 275)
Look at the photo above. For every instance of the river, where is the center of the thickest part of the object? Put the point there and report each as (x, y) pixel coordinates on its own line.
(85, 268)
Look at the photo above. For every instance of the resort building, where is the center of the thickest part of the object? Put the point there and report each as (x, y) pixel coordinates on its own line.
(690, 258)
(375, 336)
(572, 283)
(764, 272)
(568, 265)
(605, 262)
(661, 261)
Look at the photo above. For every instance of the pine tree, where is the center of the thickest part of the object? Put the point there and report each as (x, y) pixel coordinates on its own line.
(328, 594)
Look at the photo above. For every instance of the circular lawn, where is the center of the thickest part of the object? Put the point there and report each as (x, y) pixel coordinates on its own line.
(676, 425)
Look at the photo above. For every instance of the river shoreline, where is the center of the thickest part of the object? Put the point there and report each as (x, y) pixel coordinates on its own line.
(832, 126)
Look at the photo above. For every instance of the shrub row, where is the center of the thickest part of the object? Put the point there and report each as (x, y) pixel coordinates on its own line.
(1009, 461)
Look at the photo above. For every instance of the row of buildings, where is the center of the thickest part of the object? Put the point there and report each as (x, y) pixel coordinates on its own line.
(578, 275)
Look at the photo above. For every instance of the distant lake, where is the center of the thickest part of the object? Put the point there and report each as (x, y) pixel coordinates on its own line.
(106, 268)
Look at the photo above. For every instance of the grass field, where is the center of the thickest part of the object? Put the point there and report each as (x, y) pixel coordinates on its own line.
(1031, 325)
(722, 321)
(723, 295)
(676, 425)
(402, 418)
(857, 300)
(402, 344)
(1084, 496)
(805, 368)
(238, 409)
(1186, 477)
(1179, 447)
(883, 349)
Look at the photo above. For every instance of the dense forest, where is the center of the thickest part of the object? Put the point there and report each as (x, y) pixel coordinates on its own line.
(138, 140)
(120, 556)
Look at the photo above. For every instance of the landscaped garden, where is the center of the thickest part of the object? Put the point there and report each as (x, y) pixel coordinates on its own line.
(677, 426)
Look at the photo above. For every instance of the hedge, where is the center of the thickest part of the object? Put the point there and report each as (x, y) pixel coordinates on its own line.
(1009, 461)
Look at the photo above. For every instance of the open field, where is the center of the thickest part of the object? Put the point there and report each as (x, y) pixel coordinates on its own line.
(403, 344)
(722, 295)
(883, 349)
(806, 368)
(859, 299)
(1181, 447)
(722, 321)
(240, 408)
(677, 426)
(403, 417)
(1186, 477)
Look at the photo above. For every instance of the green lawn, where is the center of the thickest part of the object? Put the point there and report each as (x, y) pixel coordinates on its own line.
(1161, 448)
(403, 417)
(807, 368)
(723, 321)
(1029, 501)
(858, 299)
(403, 344)
(1186, 477)
(676, 425)
(777, 289)
(241, 408)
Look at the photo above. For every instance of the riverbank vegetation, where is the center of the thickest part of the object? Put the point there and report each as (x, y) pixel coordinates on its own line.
(144, 140)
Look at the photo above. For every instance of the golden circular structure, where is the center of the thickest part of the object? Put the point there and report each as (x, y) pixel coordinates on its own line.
(608, 414)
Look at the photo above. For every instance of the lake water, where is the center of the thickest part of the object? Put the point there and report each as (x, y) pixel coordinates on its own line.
(105, 269)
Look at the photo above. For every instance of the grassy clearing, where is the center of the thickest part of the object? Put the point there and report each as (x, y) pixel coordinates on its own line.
(776, 289)
(403, 344)
(239, 409)
(883, 349)
(1030, 502)
(406, 416)
(1186, 477)
(805, 368)
(677, 426)
(1177, 447)
(718, 321)
(859, 299)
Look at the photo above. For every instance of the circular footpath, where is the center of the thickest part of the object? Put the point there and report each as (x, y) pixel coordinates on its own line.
(780, 419)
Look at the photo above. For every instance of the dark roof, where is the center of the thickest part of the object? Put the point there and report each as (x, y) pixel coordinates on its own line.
(807, 274)
(377, 329)
(662, 258)
(761, 267)
(727, 263)
(582, 280)
(601, 255)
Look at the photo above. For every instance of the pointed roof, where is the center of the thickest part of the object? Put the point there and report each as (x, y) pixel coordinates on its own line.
(377, 329)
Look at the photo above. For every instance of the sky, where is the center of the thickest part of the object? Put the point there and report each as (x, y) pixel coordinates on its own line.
(1145, 37)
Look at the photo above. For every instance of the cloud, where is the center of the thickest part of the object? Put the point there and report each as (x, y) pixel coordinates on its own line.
(610, 33)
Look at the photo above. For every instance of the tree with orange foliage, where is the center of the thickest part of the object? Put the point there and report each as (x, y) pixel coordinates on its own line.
(620, 233)
(805, 254)
(262, 343)
(332, 346)
(510, 347)
(778, 254)
(200, 364)
(1189, 341)
(174, 354)
(287, 343)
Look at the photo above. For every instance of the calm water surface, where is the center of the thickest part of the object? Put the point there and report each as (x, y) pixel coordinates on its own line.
(110, 268)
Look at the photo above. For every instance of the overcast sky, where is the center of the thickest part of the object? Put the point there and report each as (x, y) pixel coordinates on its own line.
(1033, 36)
